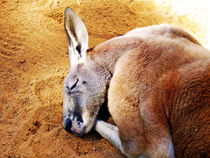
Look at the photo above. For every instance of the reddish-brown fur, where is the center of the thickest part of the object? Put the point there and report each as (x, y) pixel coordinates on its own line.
(157, 81)
(160, 86)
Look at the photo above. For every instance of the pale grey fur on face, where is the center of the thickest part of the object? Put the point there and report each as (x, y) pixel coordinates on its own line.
(85, 85)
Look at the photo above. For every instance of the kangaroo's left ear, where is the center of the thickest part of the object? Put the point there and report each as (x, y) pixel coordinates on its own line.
(77, 36)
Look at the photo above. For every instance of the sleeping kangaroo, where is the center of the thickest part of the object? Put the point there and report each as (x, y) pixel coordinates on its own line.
(157, 82)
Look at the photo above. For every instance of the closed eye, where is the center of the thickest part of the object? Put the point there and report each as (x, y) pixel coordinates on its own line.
(72, 87)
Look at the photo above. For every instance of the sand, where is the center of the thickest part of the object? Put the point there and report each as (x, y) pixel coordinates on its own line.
(34, 63)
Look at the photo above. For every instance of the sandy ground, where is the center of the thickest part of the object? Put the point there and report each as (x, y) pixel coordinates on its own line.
(34, 63)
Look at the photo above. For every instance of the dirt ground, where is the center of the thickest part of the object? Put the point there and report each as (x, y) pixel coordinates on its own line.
(34, 63)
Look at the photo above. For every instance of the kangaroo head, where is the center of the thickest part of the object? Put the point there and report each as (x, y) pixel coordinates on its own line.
(85, 85)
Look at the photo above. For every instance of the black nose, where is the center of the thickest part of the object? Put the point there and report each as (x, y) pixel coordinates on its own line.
(67, 124)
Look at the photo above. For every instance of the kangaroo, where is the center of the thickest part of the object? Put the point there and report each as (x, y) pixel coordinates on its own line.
(157, 83)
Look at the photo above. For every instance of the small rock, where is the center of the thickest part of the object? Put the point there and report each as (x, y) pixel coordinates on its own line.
(33, 62)
(36, 123)
(5, 44)
(45, 65)
(33, 81)
(22, 61)
(78, 2)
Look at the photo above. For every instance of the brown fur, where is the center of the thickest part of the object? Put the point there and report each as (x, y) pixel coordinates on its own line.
(158, 83)
(160, 86)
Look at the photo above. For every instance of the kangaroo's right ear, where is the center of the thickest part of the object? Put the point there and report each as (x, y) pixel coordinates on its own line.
(77, 37)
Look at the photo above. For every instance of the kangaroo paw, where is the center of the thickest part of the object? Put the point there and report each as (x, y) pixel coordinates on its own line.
(109, 132)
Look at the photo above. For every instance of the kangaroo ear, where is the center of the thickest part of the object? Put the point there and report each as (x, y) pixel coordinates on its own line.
(77, 37)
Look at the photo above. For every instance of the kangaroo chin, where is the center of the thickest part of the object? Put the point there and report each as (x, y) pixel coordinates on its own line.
(155, 81)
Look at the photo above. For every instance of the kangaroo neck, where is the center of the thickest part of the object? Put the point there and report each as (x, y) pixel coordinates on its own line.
(108, 53)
